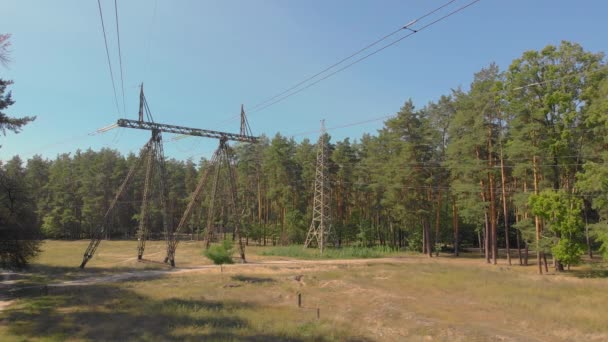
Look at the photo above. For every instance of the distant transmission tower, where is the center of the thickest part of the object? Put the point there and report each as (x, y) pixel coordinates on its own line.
(320, 225)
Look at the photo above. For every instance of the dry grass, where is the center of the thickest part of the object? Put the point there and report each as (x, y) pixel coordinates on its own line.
(391, 299)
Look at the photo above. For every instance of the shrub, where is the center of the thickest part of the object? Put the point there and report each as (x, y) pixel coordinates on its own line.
(220, 254)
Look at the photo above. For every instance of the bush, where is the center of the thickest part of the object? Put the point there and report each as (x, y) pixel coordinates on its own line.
(220, 254)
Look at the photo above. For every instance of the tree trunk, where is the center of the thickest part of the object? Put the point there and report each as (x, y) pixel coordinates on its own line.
(504, 205)
(537, 218)
(480, 242)
(455, 225)
(260, 206)
(589, 251)
(486, 238)
(437, 221)
(428, 240)
(491, 185)
(518, 246)
(423, 238)
(517, 239)
(493, 215)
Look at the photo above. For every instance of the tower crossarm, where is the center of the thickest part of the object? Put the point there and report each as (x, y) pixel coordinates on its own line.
(147, 125)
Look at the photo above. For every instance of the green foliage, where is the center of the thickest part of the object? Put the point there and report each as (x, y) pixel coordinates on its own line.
(562, 214)
(568, 251)
(527, 229)
(19, 229)
(545, 115)
(600, 232)
(8, 123)
(221, 253)
(19, 232)
(414, 241)
(365, 236)
(296, 226)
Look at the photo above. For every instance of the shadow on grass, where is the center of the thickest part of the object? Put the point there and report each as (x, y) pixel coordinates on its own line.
(591, 273)
(110, 313)
(37, 276)
(253, 280)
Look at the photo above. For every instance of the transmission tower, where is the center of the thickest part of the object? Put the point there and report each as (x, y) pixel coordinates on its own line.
(155, 179)
(152, 153)
(222, 160)
(320, 226)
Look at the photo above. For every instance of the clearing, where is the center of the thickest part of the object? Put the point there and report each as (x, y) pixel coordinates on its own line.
(402, 297)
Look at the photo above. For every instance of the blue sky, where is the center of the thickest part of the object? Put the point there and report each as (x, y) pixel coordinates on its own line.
(200, 60)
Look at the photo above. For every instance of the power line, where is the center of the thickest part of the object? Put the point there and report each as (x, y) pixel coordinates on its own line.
(105, 40)
(368, 55)
(579, 129)
(585, 72)
(122, 83)
(405, 27)
(345, 125)
(271, 101)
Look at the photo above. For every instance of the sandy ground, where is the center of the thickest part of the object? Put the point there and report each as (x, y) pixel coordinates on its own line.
(9, 279)
(393, 316)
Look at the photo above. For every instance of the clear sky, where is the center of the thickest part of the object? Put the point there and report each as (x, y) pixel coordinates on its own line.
(200, 60)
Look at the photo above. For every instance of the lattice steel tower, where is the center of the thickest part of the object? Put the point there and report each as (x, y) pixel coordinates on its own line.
(153, 156)
(320, 225)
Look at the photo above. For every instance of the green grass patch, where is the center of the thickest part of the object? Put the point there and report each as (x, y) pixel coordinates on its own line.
(299, 252)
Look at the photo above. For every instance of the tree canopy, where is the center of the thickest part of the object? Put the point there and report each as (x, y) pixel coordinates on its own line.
(515, 159)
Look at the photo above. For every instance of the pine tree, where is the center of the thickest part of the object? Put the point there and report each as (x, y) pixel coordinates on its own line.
(19, 229)
(19, 232)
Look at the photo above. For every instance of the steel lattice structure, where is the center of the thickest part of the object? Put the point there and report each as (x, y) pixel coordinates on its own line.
(320, 226)
(223, 158)
(153, 154)
(198, 132)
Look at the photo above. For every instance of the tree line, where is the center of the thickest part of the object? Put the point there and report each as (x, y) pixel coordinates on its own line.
(19, 233)
(517, 161)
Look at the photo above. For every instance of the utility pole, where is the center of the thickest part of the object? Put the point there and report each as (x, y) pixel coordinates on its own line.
(320, 225)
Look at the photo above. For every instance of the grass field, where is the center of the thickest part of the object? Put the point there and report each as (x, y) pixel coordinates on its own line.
(396, 298)
(297, 251)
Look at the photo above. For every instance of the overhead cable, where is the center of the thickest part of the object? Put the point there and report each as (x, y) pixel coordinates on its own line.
(413, 32)
(122, 83)
(105, 40)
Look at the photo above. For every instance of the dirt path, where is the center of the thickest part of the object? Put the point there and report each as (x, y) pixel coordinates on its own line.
(250, 266)
(8, 282)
